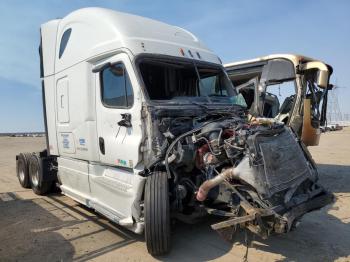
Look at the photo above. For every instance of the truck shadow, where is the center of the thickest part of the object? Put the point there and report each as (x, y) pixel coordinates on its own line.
(123, 237)
(183, 236)
(335, 178)
(32, 230)
(55, 229)
(28, 233)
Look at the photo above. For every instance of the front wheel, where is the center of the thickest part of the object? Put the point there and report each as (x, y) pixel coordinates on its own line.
(157, 214)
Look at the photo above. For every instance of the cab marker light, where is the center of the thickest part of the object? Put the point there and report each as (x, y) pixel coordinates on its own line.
(182, 52)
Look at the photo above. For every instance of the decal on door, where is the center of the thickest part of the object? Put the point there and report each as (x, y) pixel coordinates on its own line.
(124, 163)
(82, 145)
(67, 143)
(82, 141)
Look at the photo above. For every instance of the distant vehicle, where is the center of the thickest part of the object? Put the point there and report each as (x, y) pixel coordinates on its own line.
(289, 88)
(144, 125)
(332, 127)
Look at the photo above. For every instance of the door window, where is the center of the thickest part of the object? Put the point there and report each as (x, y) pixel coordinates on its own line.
(116, 89)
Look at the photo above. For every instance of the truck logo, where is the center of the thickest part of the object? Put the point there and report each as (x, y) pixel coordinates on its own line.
(82, 141)
(65, 141)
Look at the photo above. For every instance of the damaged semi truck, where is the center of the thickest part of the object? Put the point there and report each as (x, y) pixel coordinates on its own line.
(143, 125)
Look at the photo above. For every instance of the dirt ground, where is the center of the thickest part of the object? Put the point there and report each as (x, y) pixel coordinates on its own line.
(55, 228)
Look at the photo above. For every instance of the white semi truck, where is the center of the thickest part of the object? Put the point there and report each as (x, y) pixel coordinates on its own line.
(143, 125)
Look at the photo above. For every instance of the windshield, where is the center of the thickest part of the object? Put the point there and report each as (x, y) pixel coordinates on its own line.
(188, 81)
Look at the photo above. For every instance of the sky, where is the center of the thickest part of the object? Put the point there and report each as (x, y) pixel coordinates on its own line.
(235, 30)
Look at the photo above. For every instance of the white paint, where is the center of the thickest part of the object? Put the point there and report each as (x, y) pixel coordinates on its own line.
(62, 101)
(120, 142)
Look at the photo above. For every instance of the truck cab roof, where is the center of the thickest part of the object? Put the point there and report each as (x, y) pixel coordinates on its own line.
(94, 33)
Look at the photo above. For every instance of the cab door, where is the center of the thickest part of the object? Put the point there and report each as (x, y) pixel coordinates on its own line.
(118, 114)
(113, 182)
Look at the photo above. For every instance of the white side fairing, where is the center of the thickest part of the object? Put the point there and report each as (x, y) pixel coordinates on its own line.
(50, 106)
(48, 47)
(74, 176)
(114, 191)
(110, 191)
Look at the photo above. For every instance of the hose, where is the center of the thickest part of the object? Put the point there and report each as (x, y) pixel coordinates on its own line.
(209, 184)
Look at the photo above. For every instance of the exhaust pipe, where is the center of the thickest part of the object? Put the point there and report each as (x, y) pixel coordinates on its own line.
(209, 184)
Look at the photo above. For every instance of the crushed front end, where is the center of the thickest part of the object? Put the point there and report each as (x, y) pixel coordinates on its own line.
(273, 185)
(257, 176)
(254, 174)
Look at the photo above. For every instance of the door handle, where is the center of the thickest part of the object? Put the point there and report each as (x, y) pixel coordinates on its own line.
(101, 143)
(61, 101)
(126, 120)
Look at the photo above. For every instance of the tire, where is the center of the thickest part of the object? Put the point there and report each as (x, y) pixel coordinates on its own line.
(22, 169)
(38, 180)
(157, 214)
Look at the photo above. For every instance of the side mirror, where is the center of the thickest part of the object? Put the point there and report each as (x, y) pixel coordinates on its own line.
(117, 70)
(322, 78)
(101, 67)
(323, 72)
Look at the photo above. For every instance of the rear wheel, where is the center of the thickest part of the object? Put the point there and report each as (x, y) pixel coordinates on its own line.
(38, 178)
(22, 163)
(157, 214)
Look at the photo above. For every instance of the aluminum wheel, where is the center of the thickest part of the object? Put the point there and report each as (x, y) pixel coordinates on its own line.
(39, 180)
(21, 173)
(35, 178)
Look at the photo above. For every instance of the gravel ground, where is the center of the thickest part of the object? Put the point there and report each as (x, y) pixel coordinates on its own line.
(55, 228)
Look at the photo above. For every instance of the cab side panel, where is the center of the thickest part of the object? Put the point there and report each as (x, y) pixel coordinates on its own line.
(75, 113)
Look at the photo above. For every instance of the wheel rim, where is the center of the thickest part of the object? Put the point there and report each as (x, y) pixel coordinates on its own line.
(35, 177)
(21, 173)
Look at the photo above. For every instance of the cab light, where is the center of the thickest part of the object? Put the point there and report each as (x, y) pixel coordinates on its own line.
(182, 52)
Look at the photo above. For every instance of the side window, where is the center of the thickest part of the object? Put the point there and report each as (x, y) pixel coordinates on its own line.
(116, 89)
(64, 41)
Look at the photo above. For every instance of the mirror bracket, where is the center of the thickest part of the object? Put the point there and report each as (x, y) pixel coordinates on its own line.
(126, 120)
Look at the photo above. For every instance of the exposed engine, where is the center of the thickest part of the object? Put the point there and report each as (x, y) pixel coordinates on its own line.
(257, 174)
